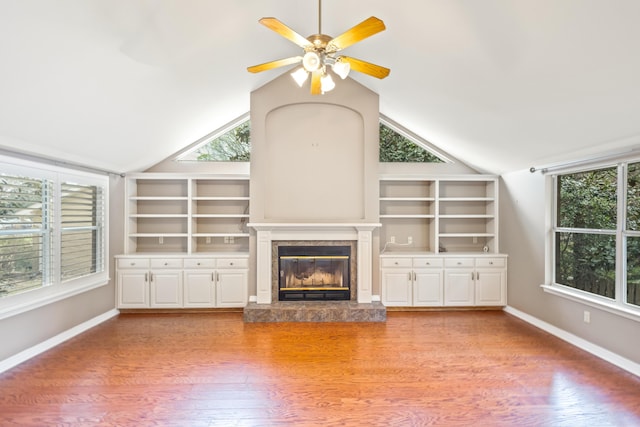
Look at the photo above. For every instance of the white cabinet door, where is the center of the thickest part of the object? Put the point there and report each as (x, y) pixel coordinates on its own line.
(459, 287)
(428, 287)
(133, 289)
(491, 287)
(231, 290)
(166, 288)
(396, 287)
(199, 288)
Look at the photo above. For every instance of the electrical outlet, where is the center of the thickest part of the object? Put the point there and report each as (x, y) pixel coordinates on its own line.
(207, 240)
(392, 239)
(232, 239)
(410, 240)
(586, 317)
(226, 239)
(161, 240)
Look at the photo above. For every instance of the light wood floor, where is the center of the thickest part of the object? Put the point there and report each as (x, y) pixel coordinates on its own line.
(429, 368)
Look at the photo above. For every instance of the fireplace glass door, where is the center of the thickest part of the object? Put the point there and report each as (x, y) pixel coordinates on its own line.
(314, 272)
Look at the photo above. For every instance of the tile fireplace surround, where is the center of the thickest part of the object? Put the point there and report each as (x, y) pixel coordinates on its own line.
(359, 309)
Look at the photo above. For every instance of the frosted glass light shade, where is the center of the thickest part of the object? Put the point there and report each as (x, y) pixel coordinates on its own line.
(300, 76)
(311, 61)
(342, 69)
(326, 83)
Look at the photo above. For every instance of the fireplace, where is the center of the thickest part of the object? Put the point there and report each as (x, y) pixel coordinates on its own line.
(314, 273)
(270, 237)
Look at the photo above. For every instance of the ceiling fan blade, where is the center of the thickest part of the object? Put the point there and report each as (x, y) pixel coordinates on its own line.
(286, 32)
(365, 29)
(366, 67)
(315, 82)
(274, 64)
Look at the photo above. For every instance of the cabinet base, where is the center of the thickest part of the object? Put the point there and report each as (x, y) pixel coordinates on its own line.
(449, 308)
(179, 310)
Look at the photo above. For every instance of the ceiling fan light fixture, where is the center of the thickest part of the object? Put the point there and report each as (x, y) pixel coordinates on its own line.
(341, 68)
(311, 61)
(326, 83)
(300, 76)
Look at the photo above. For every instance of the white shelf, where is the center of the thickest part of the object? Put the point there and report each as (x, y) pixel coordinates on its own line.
(467, 216)
(466, 235)
(220, 215)
(158, 235)
(225, 198)
(407, 199)
(158, 216)
(467, 199)
(426, 216)
(220, 234)
(170, 211)
(154, 198)
(455, 213)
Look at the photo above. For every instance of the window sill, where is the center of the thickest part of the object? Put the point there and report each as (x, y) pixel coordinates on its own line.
(592, 301)
(20, 303)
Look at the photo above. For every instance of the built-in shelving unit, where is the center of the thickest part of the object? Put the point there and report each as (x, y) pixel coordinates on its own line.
(186, 214)
(440, 214)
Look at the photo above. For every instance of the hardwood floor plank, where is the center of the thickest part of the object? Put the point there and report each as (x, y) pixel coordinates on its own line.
(418, 368)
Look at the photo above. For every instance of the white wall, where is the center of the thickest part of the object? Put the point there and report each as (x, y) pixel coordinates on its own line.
(522, 236)
(314, 158)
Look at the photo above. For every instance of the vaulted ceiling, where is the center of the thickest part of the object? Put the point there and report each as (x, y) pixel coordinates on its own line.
(500, 84)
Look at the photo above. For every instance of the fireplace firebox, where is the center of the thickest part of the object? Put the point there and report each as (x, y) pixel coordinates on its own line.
(314, 273)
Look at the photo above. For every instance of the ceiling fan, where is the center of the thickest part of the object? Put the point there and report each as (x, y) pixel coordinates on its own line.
(320, 52)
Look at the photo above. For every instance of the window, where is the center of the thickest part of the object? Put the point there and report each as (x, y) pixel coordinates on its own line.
(397, 148)
(232, 144)
(596, 234)
(52, 230)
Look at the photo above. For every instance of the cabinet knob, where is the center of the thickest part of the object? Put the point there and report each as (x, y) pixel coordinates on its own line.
(490, 262)
(230, 263)
(197, 263)
(459, 263)
(396, 263)
(133, 263)
(166, 263)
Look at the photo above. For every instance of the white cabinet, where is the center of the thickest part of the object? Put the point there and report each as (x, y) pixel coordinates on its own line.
(165, 283)
(182, 281)
(200, 282)
(412, 280)
(479, 281)
(491, 281)
(166, 288)
(144, 282)
(396, 286)
(231, 289)
(199, 288)
(133, 288)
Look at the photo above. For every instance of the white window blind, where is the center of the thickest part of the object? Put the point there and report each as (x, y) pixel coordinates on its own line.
(24, 233)
(52, 230)
(82, 219)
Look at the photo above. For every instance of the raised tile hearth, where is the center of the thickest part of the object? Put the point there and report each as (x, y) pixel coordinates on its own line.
(315, 311)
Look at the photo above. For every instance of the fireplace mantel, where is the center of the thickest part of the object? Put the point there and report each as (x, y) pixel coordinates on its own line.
(268, 232)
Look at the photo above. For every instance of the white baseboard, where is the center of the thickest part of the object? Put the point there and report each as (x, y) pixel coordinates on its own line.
(37, 349)
(603, 353)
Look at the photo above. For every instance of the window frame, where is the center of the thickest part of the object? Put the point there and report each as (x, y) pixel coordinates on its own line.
(56, 289)
(617, 305)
